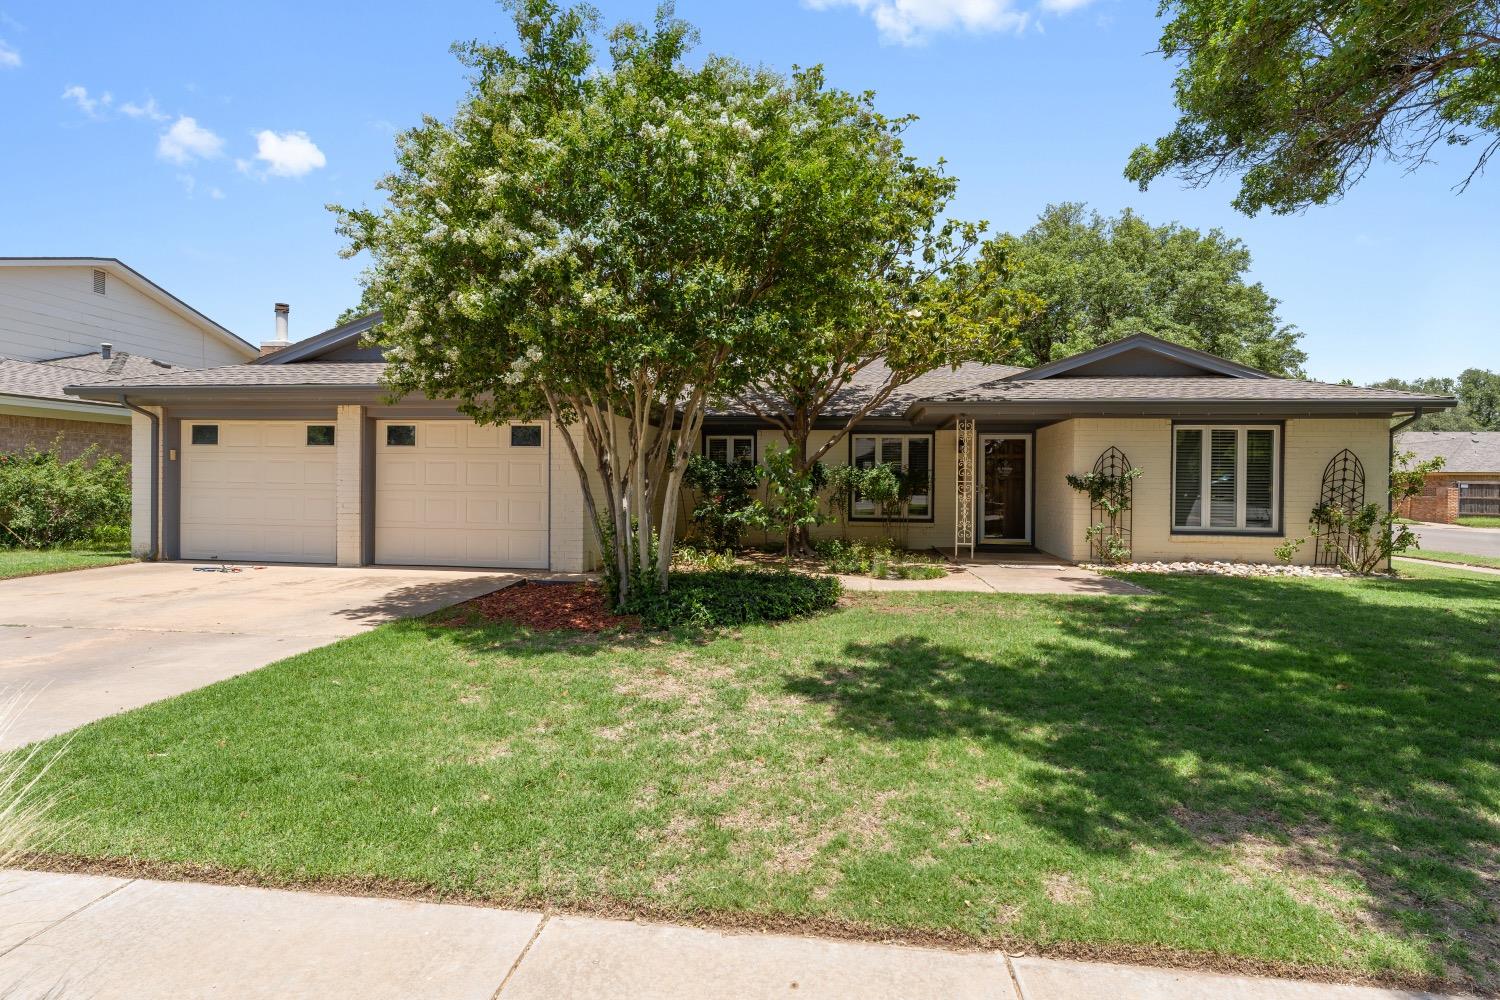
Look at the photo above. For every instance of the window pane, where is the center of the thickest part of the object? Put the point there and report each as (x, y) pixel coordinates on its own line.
(744, 450)
(1260, 466)
(919, 473)
(718, 450)
(864, 452)
(205, 434)
(401, 435)
(526, 436)
(1187, 509)
(1223, 471)
(320, 434)
(890, 451)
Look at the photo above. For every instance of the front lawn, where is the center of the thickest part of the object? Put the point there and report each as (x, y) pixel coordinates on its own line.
(1289, 772)
(1478, 521)
(1462, 558)
(30, 562)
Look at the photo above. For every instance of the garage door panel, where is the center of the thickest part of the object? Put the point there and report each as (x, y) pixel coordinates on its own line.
(460, 496)
(269, 498)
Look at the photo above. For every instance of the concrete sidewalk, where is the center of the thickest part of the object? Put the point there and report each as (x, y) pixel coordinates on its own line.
(91, 936)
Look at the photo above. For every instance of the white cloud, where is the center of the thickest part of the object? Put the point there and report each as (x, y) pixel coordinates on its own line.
(187, 140)
(216, 194)
(91, 106)
(9, 57)
(912, 22)
(148, 110)
(288, 154)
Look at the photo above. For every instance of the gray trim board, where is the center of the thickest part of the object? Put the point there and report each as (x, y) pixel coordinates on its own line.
(367, 491)
(171, 487)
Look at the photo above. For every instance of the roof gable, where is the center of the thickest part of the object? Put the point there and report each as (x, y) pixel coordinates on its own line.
(1141, 356)
(341, 344)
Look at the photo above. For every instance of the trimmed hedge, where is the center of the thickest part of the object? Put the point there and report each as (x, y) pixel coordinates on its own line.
(720, 598)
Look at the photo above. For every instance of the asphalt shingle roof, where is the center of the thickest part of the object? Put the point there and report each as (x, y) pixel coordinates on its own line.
(355, 374)
(1461, 451)
(941, 380)
(1191, 389)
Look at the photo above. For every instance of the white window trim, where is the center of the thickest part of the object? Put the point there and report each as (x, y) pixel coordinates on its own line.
(729, 440)
(1205, 484)
(906, 439)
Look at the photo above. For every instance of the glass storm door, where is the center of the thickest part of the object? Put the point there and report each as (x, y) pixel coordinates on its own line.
(1004, 493)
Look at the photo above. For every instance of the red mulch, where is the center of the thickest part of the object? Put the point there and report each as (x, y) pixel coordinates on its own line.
(546, 607)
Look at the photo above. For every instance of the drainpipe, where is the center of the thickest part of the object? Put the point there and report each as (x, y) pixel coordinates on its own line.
(155, 475)
(1390, 465)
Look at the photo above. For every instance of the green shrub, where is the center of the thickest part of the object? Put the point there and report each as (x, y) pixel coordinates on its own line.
(721, 598)
(914, 571)
(880, 557)
(46, 502)
(725, 494)
(693, 557)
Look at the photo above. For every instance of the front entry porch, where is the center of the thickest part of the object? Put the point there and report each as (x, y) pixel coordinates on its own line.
(1004, 573)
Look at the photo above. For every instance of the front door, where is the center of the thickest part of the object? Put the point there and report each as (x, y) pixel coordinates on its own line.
(1004, 490)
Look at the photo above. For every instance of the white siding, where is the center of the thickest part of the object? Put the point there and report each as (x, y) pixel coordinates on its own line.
(52, 312)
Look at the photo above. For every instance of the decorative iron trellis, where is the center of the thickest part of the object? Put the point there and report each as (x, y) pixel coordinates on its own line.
(1343, 486)
(963, 483)
(1113, 464)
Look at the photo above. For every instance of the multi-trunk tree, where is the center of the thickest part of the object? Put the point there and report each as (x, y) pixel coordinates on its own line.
(613, 245)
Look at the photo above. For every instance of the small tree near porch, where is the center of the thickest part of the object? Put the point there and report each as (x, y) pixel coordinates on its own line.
(615, 245)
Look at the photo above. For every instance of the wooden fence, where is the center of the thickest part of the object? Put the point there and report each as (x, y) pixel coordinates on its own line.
(1478, 499)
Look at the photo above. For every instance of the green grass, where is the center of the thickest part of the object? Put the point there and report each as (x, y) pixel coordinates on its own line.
(1464, 558)
(1297, 771)
(31, 562)
(1478, 521)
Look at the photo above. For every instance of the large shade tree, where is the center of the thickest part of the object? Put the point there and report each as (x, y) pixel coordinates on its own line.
(1103, 279)
(1299, 98)
(613, 243)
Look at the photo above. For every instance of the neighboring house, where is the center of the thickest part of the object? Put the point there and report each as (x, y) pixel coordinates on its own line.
(302, 456)
(1469, 482)
(69, 319)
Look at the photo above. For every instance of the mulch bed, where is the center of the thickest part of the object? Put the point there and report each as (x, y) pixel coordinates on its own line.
(545, 607)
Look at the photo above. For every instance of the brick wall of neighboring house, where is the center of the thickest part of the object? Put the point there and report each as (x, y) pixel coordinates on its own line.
(17, 431)
(1438, 501)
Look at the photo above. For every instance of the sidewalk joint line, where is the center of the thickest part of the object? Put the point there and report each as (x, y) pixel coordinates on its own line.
(522, 956)
(1015, 980)
(66, 917)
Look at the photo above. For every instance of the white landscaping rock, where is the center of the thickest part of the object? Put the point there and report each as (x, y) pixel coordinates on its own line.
(1220, 567)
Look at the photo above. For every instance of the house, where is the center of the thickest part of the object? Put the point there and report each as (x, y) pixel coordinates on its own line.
(70, 319)
(1468, 484)
(301, 456)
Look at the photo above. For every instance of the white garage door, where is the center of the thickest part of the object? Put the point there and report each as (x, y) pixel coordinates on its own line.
(453, 493)
(258, 490)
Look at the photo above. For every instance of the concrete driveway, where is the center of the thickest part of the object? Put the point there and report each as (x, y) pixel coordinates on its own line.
(91, 643)
(1457, 538)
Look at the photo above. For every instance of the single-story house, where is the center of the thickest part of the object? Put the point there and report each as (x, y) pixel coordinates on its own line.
(301, 456)
(1468, 484)
(69, 319)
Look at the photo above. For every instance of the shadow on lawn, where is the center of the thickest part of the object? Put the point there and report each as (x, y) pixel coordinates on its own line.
(1360, 731)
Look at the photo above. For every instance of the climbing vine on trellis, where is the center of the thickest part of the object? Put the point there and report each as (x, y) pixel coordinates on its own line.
(1343, 489)
(1110, 487)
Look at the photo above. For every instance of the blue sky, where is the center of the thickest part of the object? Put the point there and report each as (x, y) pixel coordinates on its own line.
(227, 128)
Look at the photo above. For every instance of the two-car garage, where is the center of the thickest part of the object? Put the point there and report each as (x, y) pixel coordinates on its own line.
(435, 492)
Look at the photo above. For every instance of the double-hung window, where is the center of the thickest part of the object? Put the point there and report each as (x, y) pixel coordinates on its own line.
(1226, 478)
(911, 455)
(730, 448)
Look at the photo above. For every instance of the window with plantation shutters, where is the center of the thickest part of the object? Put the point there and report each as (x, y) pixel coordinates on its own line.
(911, 455)
(1226, 478)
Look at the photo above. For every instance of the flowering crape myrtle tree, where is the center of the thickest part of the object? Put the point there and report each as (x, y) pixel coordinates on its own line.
(614, 245)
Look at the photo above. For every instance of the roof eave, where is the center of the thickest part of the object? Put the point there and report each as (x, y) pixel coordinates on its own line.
(1172, 407)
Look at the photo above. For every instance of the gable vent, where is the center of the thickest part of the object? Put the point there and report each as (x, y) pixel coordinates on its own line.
(98, 282)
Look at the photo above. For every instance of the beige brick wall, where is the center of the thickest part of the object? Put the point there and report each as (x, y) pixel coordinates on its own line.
(142, 492)
(18, 431)
(1307, 444)
(1052, 521)
(349, 437)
